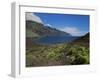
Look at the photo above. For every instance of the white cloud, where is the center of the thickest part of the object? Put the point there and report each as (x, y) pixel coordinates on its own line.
(48, 25)
(73, 31)
(31, 16)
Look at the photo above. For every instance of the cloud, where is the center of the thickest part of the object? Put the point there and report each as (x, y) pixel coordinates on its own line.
(48, 25)
(73, 31)
(31, 16)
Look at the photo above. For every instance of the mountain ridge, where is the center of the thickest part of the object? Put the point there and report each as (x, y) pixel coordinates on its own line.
(39, 29)
(84, 40)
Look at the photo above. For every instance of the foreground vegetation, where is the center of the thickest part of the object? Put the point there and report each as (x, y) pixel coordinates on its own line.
(57, 54)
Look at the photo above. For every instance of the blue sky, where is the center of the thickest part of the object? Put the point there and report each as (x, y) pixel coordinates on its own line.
(76, 25)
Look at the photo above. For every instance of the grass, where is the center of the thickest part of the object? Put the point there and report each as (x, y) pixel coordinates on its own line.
(57, 54)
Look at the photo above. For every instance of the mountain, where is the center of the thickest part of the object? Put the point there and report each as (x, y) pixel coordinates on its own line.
(84, 40)
(35, 29)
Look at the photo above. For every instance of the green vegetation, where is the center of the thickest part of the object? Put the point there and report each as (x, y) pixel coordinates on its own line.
(57, 54)
(74, 53)
(79, 55)
(29, 33)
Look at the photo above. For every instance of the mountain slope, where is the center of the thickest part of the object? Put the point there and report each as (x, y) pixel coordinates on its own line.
(84, 40)
(34, 29)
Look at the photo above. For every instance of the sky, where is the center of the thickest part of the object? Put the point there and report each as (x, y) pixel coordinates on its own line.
(76, 25)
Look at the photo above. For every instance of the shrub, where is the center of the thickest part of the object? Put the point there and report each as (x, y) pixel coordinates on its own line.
(80, 53)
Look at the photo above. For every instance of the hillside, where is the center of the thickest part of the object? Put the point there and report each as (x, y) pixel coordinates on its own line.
(34, 29)
(84, 40)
